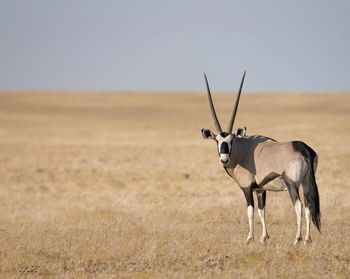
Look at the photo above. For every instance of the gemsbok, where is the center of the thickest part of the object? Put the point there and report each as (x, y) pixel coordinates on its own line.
(259, 164)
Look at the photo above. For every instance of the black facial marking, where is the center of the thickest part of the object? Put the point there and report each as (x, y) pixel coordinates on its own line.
(228, 172)
(224, 148)
(223, 134)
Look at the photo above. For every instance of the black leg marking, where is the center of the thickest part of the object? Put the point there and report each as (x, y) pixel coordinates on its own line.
(261, 199)
(261, 196)
(294, 194)
(248, 193)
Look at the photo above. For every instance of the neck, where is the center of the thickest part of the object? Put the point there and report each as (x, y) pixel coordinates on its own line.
(236, 152)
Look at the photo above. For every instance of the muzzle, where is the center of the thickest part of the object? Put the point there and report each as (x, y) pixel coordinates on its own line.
(224, 154)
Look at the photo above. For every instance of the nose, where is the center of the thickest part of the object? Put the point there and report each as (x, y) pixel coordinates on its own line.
(223, 161)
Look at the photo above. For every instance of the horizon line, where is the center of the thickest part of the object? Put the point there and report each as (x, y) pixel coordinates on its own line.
(52, 91)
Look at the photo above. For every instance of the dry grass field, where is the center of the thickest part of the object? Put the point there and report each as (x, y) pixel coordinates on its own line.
(123, 185)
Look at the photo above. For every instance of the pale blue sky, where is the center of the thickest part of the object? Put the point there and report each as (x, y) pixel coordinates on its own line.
(167, 45)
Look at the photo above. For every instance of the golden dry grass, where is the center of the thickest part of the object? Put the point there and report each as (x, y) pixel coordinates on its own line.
(123, 185)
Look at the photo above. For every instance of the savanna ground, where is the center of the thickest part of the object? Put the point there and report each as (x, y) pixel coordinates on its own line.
(123, 185)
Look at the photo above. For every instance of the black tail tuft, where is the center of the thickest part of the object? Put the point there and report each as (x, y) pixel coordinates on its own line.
(309, 185)
(314, 200)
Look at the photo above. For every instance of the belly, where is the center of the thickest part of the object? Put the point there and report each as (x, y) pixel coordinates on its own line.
(275, 185)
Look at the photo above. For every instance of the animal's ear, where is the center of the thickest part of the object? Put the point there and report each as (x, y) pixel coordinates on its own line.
(240, 133)
(207, 134)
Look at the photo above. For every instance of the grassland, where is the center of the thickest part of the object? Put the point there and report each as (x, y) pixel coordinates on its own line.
(123, 185)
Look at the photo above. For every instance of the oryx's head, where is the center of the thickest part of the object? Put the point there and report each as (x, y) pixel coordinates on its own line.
(224, 140)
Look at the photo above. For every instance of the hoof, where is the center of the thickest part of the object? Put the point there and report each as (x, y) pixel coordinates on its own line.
(264, 238)
(297, 241)
(307, 241)
(249, 239)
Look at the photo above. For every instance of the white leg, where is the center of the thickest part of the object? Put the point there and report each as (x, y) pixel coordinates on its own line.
(307, 235)
(297, 207)
(250, 213)
(264, 234)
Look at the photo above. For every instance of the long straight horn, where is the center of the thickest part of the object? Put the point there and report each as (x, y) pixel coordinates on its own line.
(232, 120)
(212, 109)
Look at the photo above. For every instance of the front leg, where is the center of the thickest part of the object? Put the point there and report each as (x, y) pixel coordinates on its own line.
(261, 210)
(248, 193)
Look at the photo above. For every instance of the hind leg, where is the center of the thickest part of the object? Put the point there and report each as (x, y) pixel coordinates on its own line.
(307, 212)
(261, 211)
(297, 207)
(307, 234)
(293, 189)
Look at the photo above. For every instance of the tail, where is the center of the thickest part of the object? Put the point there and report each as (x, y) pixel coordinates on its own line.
(311, 190)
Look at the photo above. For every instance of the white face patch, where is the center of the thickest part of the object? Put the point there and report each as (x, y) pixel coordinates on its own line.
(224, 148)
